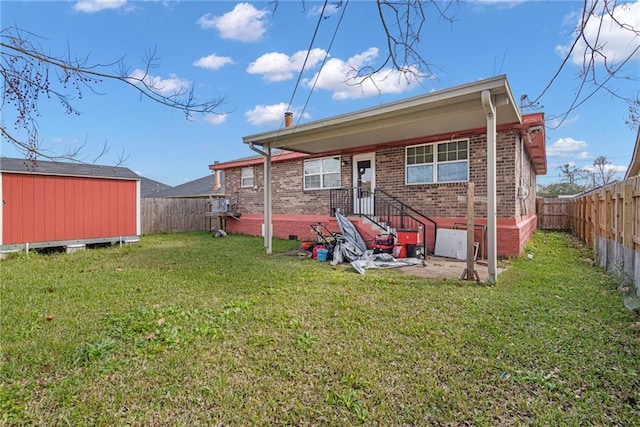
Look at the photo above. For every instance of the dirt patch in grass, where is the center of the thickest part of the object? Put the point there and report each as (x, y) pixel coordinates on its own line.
(434, 267)
(446, 268)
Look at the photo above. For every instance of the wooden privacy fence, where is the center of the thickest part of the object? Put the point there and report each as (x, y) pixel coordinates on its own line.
(608, 219)
(553, 214)
(174, 215)
(611, 212)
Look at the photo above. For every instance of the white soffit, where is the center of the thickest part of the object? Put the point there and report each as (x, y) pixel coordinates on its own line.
(446, 111)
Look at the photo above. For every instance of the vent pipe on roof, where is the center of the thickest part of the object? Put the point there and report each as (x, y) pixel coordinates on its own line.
(216, 177)
(216, 180)
(288, 119)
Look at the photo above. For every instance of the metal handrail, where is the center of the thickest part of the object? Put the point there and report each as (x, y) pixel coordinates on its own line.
(385, 211)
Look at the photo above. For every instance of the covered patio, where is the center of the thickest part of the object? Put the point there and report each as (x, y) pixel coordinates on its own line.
(482, 106)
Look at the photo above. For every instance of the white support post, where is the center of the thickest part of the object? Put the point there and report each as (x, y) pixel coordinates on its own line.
(268, 228)
(492, 247)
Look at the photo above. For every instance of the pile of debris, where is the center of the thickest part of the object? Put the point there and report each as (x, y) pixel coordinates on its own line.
(348, 246)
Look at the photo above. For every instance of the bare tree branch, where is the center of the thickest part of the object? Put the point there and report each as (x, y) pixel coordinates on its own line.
(29, 73)
(403, 22)
(597, 70)
(604, 171)
(572, 175)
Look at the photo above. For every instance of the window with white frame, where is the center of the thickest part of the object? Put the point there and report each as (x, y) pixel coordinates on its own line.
(246, 177)
(439, 162)
(322, 173)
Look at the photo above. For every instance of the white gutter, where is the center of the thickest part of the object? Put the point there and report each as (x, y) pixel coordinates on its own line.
(267, 229)
(1, 211)
(522, 192)
(490, 112)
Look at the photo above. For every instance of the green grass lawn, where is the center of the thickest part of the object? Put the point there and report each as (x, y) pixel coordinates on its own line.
(188, 329)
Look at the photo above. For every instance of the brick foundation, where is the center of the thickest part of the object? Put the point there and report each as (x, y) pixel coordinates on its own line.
(512, 235)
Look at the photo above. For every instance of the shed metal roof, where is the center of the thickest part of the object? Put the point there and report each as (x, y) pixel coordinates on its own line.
(46, 167)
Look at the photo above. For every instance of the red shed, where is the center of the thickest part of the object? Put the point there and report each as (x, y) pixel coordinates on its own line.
(62, 204)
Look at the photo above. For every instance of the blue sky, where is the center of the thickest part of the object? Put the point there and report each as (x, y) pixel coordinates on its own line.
(252, 56)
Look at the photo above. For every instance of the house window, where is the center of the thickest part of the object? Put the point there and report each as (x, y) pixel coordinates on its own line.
(440, 162)
(246, 177)
(322, 173)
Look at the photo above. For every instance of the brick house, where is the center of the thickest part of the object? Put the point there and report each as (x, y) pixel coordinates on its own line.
(420, 153)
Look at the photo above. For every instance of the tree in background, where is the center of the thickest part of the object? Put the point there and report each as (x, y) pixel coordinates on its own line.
(575, 181)
(558, 189)
(570, 177)
(603, 171)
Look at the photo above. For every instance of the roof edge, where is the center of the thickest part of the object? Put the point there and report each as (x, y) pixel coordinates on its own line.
(634, 166)
(492, 83)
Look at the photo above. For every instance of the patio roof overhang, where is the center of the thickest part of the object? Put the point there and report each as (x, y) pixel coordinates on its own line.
(485, 104)
(446, 111)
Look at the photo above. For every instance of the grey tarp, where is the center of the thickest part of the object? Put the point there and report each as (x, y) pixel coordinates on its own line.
(349, 232)
(351, 248)
(382, 260)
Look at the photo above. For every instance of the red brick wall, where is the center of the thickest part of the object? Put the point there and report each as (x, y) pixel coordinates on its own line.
(526, 204)
(287, 194)
(447, 202)
(442, 200)
(249, 200)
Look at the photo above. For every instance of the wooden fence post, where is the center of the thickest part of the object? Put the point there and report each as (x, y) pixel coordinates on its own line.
(470, 273)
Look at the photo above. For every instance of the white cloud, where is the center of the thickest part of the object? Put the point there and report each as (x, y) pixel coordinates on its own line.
(342, 78)
(60, 140)
(571, 18)
(501, 4)
(277, 67)
(585, 155)
(271, 114)
(91, 6)
(167, 87)
(213, 62)
(568, 147)
(330, 9)
(557, 123)
(613, 41)
(244, 23)
(216, 119)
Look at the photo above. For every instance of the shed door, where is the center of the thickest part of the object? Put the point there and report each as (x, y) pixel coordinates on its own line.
(364, 179)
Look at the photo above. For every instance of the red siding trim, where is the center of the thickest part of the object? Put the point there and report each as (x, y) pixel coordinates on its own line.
(257, 160)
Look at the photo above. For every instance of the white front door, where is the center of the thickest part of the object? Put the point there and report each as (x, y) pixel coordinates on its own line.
(364, 181)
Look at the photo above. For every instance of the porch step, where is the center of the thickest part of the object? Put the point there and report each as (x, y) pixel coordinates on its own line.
(369, 229)
(379, 228)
